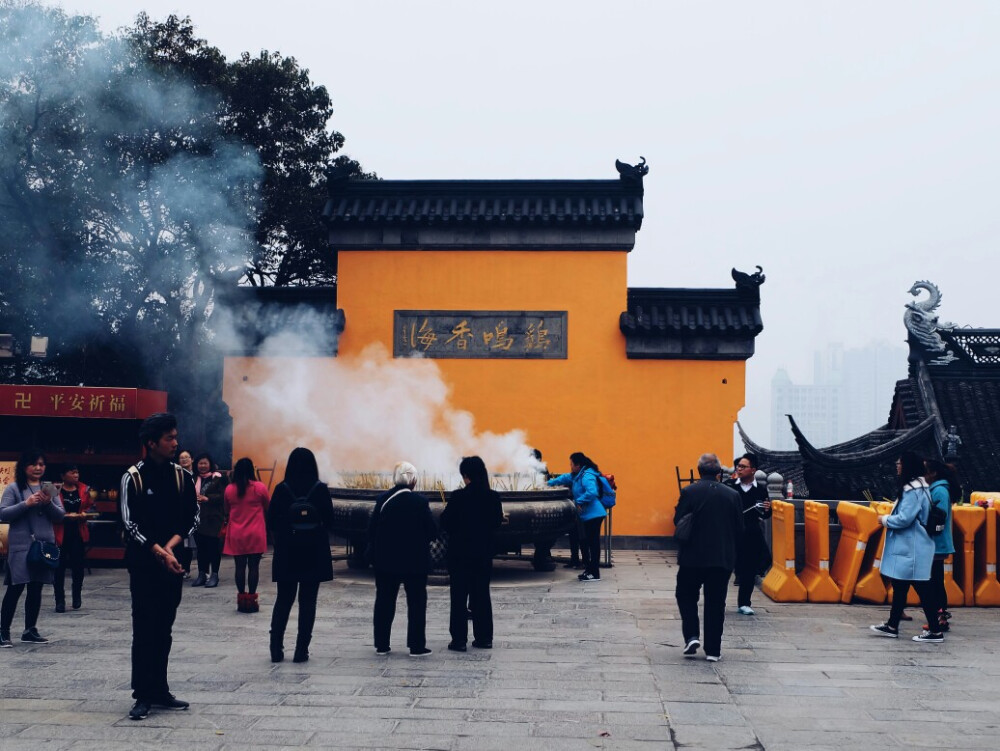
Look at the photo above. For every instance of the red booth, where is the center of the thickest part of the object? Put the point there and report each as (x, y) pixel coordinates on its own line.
(95, 427)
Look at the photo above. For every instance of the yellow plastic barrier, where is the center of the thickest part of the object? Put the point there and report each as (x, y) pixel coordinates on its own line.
(987, 588)
(966, 521)
(870, 586)
(815, 576)
(952, 590)
(781, 584)
(858, 523)
(982, 495)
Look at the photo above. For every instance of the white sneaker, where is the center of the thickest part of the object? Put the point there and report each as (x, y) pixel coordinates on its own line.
(691, 648)
(745, 610)
(713, 658)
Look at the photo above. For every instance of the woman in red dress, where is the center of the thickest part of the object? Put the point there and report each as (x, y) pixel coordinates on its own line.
(246, 501)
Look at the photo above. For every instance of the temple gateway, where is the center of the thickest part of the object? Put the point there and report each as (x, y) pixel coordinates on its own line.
(517, 289)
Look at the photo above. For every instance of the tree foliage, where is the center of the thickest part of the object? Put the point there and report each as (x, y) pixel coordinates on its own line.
(139, 175)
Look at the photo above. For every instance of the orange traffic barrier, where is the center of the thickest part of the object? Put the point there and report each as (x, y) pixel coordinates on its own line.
(815, 576)
(953, 592)
(993, 498)
(966, 521)
(781, 584)
(870, 586)
(857, 523)
(987, 588)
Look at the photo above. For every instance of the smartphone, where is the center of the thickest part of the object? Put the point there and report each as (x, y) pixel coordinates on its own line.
(49, 489)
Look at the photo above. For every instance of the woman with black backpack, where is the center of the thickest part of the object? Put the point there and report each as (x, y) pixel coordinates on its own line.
(945, 490)
(909, 550)
(298, 519)
(584, 479)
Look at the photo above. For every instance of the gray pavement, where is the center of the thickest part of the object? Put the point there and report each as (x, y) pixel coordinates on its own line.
(574, 666)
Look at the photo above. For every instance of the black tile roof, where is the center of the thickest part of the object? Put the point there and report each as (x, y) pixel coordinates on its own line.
(717, 324)
(972, 405)
(561, 203)
(690, 312)
(259, 314)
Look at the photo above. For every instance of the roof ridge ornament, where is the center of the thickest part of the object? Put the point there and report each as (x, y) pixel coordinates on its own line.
(632, 173)
(922, 323)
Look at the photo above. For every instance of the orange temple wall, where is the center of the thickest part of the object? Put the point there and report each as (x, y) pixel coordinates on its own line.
(638, 419)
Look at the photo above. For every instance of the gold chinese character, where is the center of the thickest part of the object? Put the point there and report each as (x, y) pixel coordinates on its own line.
(57, 399)
(22, 400)
(498, 338)
(537, 337)
(117, 403)
(76, 403)
(97, 403)
(462, 333)
(426, 335)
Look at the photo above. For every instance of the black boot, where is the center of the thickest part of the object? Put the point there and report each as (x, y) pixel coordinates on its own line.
(302, 648)
(277, 648)
(77, 596)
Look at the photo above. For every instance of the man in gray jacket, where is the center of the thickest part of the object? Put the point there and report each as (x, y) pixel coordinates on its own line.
(707, 559)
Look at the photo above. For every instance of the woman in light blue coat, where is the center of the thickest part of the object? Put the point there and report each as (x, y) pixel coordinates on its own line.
(583, 479)
(909, 550)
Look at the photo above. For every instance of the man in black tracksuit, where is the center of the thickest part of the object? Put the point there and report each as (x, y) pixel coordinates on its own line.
(159, 510)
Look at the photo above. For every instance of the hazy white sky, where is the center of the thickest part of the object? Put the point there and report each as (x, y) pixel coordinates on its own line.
(849, 148)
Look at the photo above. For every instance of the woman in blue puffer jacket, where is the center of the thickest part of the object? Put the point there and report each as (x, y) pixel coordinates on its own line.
(945, 490)
(583, 479)
(909, 551)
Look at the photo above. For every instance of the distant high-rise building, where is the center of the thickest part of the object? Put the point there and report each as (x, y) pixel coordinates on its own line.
(850, 395)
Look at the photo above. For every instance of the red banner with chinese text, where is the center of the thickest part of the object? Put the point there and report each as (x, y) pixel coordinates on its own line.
(79, 401)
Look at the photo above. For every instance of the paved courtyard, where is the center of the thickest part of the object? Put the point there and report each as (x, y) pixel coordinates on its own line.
(574, 666)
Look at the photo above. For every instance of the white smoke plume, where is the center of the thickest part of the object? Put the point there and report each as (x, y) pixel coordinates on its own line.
(365, 413)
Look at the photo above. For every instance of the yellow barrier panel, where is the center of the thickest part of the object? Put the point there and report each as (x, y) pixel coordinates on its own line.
(987, 588)
(952, 590)
(858, 524)
(815, 576)
(966, 521)
(781, 584)
(982, 495)
(870, 586)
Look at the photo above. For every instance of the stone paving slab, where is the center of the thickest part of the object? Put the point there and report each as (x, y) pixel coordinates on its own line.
(574, 666)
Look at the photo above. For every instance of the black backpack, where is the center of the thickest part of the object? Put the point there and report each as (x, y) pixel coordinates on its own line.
(936, 520)
(303, 516)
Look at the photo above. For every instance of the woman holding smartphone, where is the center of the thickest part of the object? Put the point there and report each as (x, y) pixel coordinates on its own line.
(30, 507)
(72, 536)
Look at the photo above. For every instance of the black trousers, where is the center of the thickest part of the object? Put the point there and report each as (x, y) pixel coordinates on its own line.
(747, 564)
(592, 531)
(32, 604)
(72, 556)
(209, 554)
(690, 580)
(928, 601)
(156, 594)
(386, 592)
(937, 580)
(575, 534)
(307, 592)
(470, 582)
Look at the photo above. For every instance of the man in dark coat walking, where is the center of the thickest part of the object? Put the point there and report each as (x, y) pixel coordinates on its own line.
(708, 557)
(752, 546)
(400, 533)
